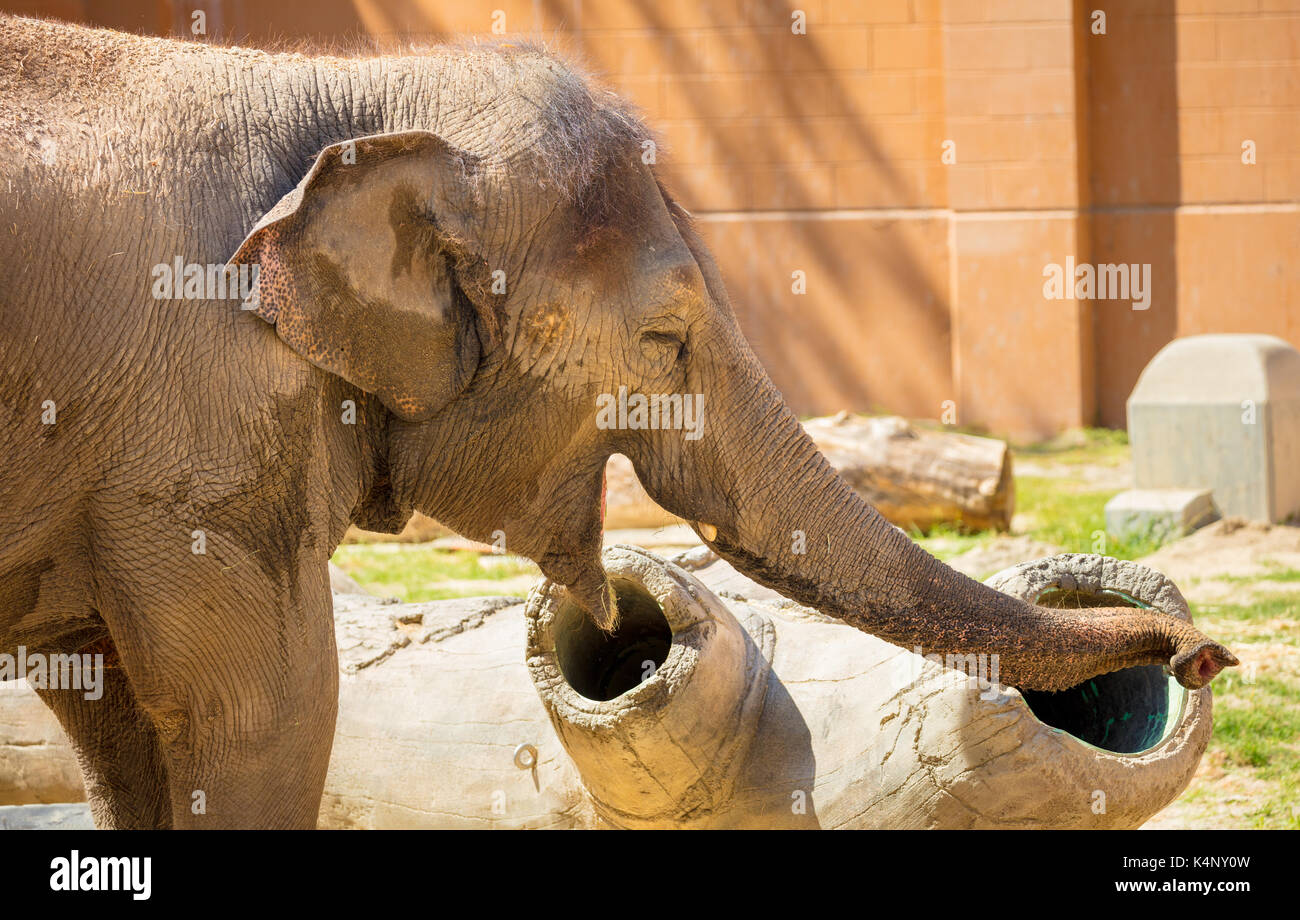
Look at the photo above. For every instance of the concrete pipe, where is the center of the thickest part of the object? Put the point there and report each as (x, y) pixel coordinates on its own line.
(701, 712)
(764, 716)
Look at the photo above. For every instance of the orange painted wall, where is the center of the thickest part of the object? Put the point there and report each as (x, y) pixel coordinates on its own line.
(823, 153)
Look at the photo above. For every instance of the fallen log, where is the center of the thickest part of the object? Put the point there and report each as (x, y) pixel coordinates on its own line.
(919, 478)
(915, 477)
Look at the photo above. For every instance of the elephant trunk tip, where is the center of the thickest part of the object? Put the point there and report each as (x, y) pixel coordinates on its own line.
(593, 593)
(1199, 665)
(603, 663)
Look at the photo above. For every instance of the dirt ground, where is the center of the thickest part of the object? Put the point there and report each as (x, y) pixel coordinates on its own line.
(1000, 553)
(1229, 549)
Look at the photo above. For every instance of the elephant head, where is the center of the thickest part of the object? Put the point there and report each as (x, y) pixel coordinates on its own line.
(495, 282)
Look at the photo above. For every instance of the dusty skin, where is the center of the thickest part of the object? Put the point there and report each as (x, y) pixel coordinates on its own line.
(178, 471)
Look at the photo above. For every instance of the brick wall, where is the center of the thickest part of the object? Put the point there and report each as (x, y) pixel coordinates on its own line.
(824, 153)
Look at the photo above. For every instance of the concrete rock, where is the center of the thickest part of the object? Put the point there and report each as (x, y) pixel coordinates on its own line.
(36, 763)
(1221, 412)
(483, 712)
(65, 817)
(1166, 513)
(852, 732)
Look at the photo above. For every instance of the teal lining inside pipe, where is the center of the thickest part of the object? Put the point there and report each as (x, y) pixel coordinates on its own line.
(1124, 712)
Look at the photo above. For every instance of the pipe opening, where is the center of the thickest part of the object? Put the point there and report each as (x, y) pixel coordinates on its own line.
(601, 665)
(1125, 712)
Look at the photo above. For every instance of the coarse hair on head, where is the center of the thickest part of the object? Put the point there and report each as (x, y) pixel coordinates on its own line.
(586, 138)
(585, 141)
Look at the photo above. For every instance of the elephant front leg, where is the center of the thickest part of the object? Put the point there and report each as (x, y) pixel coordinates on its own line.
(118, 751)
(240, 680)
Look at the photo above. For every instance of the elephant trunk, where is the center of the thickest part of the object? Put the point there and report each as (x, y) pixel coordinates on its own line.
(763, 496)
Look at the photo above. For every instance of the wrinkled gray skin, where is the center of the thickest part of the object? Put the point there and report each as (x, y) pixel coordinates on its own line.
(475, 407)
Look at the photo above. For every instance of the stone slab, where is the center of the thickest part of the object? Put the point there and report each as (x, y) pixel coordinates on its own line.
(69, 817)
(1163, 512)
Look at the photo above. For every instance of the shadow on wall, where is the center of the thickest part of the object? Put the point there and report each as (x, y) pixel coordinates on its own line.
(1134, 184)
(812, 350)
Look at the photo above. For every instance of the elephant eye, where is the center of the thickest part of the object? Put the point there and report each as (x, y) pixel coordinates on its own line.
(662, 342)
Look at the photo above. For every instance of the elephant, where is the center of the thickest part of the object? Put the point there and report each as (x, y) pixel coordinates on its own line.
(253, 298)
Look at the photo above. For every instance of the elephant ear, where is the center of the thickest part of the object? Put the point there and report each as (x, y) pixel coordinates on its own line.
(356, 268)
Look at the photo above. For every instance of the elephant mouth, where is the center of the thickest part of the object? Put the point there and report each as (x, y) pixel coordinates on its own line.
(1128, 711)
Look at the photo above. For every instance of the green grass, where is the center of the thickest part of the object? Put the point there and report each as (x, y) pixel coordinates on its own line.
(946, 541)
(1275, 572)
(1096, 446)
(419, 572)
(1257, 709)
(1268, 618)
(1061, 511)
(1257, 723)
(1064, 512)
